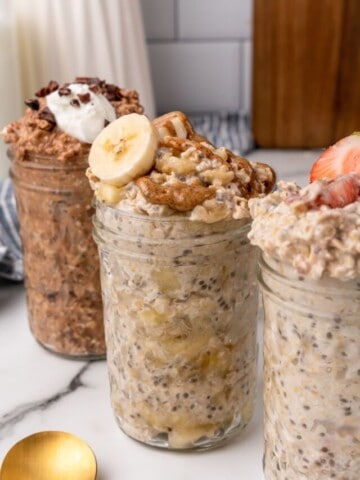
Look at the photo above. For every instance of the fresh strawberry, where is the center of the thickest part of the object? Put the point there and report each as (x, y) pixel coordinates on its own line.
(339, 159)
(340, 192)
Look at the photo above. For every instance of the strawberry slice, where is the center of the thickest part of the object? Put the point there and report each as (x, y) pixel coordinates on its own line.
(341, 158)
(337, 193)
(340, 192)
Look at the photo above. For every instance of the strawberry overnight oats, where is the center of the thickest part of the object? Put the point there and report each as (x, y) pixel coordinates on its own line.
(310, 282)
(49, 148)
(178, 279)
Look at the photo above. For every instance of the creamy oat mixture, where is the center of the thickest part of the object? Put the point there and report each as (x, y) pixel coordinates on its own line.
(309, 277)
(315, 241)
(180, 321)
(49, 147)
(179, 292)
(192, 179)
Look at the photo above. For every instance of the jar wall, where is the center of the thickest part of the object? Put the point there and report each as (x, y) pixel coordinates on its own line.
(180, 324)
(311, 375)
(60, 257)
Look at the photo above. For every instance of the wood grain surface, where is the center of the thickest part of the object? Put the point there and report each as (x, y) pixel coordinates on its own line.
(306, 72)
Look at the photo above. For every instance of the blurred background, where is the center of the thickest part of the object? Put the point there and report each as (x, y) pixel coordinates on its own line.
(263, 73)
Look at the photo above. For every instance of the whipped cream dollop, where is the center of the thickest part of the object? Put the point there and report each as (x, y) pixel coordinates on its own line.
(80, 112)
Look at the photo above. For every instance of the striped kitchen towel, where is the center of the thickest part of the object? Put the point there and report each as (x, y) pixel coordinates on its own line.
(230, 130)
(11, 264)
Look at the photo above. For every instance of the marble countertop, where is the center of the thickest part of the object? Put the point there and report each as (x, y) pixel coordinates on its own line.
(40, 391)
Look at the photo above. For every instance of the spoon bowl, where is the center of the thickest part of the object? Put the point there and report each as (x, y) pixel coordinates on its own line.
(49, 455)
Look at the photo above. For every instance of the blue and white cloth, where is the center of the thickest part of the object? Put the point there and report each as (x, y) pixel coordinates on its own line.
(11, 263)
(230, 130)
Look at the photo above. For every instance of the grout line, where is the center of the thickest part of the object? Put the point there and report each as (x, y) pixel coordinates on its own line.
(153, 41)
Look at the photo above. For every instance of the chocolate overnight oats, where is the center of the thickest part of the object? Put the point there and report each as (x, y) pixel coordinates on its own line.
(49, 149)
(178, 279)
(310, 280)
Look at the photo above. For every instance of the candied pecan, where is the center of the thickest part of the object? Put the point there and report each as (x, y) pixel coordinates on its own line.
(178, 196)
(177, 124)
(51, 87)
(265, 178)
(244, 173)
(33, 103)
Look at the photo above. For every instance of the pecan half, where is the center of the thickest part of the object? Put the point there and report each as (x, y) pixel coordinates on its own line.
(178, 196)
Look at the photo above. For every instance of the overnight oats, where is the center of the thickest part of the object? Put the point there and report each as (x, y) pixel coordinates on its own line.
(49, 149)
(310, 281)
(178, 279)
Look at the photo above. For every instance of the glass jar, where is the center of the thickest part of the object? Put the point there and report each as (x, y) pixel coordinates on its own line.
(62, 279)
(311, 375)
(180, 305)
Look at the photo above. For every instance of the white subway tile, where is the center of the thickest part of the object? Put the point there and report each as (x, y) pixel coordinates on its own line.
(215, 18)
(159, 18)
(196, 77)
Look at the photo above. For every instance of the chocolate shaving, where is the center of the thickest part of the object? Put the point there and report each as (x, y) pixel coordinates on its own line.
(64, 91)
(84, 97)
(75, 102)
(33, 103)
(90, 80)
(51, 87)
(46, 114)
(95, 89)
(113, 93)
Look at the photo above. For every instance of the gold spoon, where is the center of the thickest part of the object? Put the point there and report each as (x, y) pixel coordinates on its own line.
(49, 456)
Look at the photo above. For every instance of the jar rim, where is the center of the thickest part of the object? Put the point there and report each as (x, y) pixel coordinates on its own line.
(266, 291)
(308, 283)
(311, 285)
(50, 162)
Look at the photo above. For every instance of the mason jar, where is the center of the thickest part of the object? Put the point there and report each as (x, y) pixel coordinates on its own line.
(180, 305)
(311, 375)
(62, 279)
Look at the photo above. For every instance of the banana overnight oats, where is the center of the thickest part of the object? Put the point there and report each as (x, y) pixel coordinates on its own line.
(178, 279)
(49, 149)
(310, 281)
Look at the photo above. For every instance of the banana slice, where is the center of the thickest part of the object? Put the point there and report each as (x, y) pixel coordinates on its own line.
(124, 150)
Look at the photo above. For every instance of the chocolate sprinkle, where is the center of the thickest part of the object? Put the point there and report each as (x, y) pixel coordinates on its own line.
(75, 102)
(106, 122)
(51, 87)
(33, 103)
(84, 97)
(90, 80)
(64, 91)
(113, 93)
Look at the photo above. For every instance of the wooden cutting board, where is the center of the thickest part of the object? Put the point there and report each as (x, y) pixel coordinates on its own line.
(306, 72)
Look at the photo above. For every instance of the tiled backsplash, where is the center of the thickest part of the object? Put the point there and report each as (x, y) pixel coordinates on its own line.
(200, 54)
